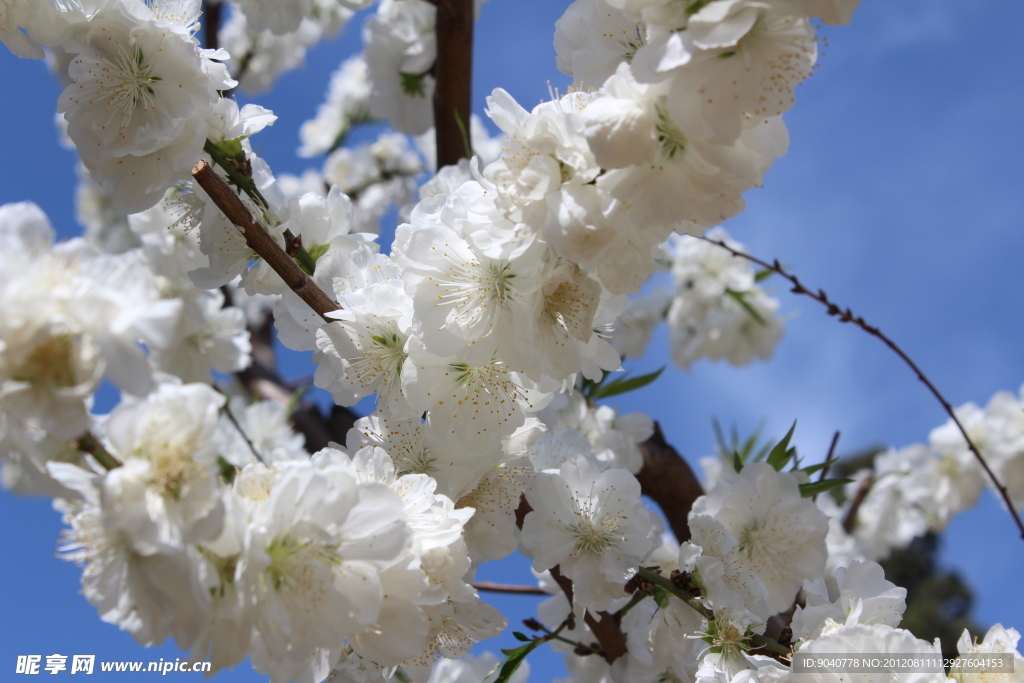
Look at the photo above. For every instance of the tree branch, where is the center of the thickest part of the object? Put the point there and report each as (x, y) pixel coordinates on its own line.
(668, 480)
(850, 520)
(212, 12)
(87, 443)
(508, 588)
(260, 241)
(605, 626)
(453, 78)
(847, 316)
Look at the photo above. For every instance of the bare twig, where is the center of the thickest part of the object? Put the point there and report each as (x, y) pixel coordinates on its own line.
(847, 316)
(850, 520)
(508, 588)
(605, 626)
(245, 437)
(260, 241)
(828, 461)
(668, 480)
(453, 74)
(87, 443)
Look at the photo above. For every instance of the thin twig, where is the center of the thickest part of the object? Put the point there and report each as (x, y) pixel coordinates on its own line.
(850, 520)
(245, 437)
(508, 588)
(605, 626)
(260, 241)
(828, 461)
(244, 182)
(243, 69)
(847, 316)
(657, 579)
(87, 443)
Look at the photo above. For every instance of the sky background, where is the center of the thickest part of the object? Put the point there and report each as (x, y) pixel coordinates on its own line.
(901, 196)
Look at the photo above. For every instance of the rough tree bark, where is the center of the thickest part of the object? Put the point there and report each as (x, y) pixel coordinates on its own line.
(453, 75)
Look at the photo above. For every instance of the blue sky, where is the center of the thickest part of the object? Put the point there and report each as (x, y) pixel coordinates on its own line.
(900, 196)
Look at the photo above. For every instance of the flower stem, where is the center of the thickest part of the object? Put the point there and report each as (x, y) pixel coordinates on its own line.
(87, 443)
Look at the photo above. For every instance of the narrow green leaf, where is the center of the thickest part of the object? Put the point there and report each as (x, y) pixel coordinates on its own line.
(816, 487)
(737, 462)
(622, 385)
(741, 299)
(762, 275)
(513, 658)
(716, 426)
(521, 637)
(811, 469)
(467, 145)
(782, 453)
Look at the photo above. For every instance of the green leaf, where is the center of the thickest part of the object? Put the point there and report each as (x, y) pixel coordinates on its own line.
(782, 453)
(737, 462)
(513, 658)
(661, 596)
(318, 250)
(816, 487)
(763, 275)
(226, 469)
(467, 145)
(719, 436)
(741, 299)
(521, 637)
(623, 384)
(232, 149)
(811, 469)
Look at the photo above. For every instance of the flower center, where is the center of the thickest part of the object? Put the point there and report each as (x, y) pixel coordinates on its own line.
(122, 83)
(593, 535)
(50, 365)
(293, 560)
(671, 139)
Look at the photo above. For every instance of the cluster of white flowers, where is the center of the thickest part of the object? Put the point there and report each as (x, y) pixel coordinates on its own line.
(484, 335)
(919, 488)
(758, 545)
(716, 308)
(267, 38)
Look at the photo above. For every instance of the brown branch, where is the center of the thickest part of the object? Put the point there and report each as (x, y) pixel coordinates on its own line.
(668, 480)
(850, 520)
(260, 379)
(828, 461)
(87, 443)
(212, 12)
(453, 78)
(508, 588)
(260, 241)
(847, 316)
(605, 626)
